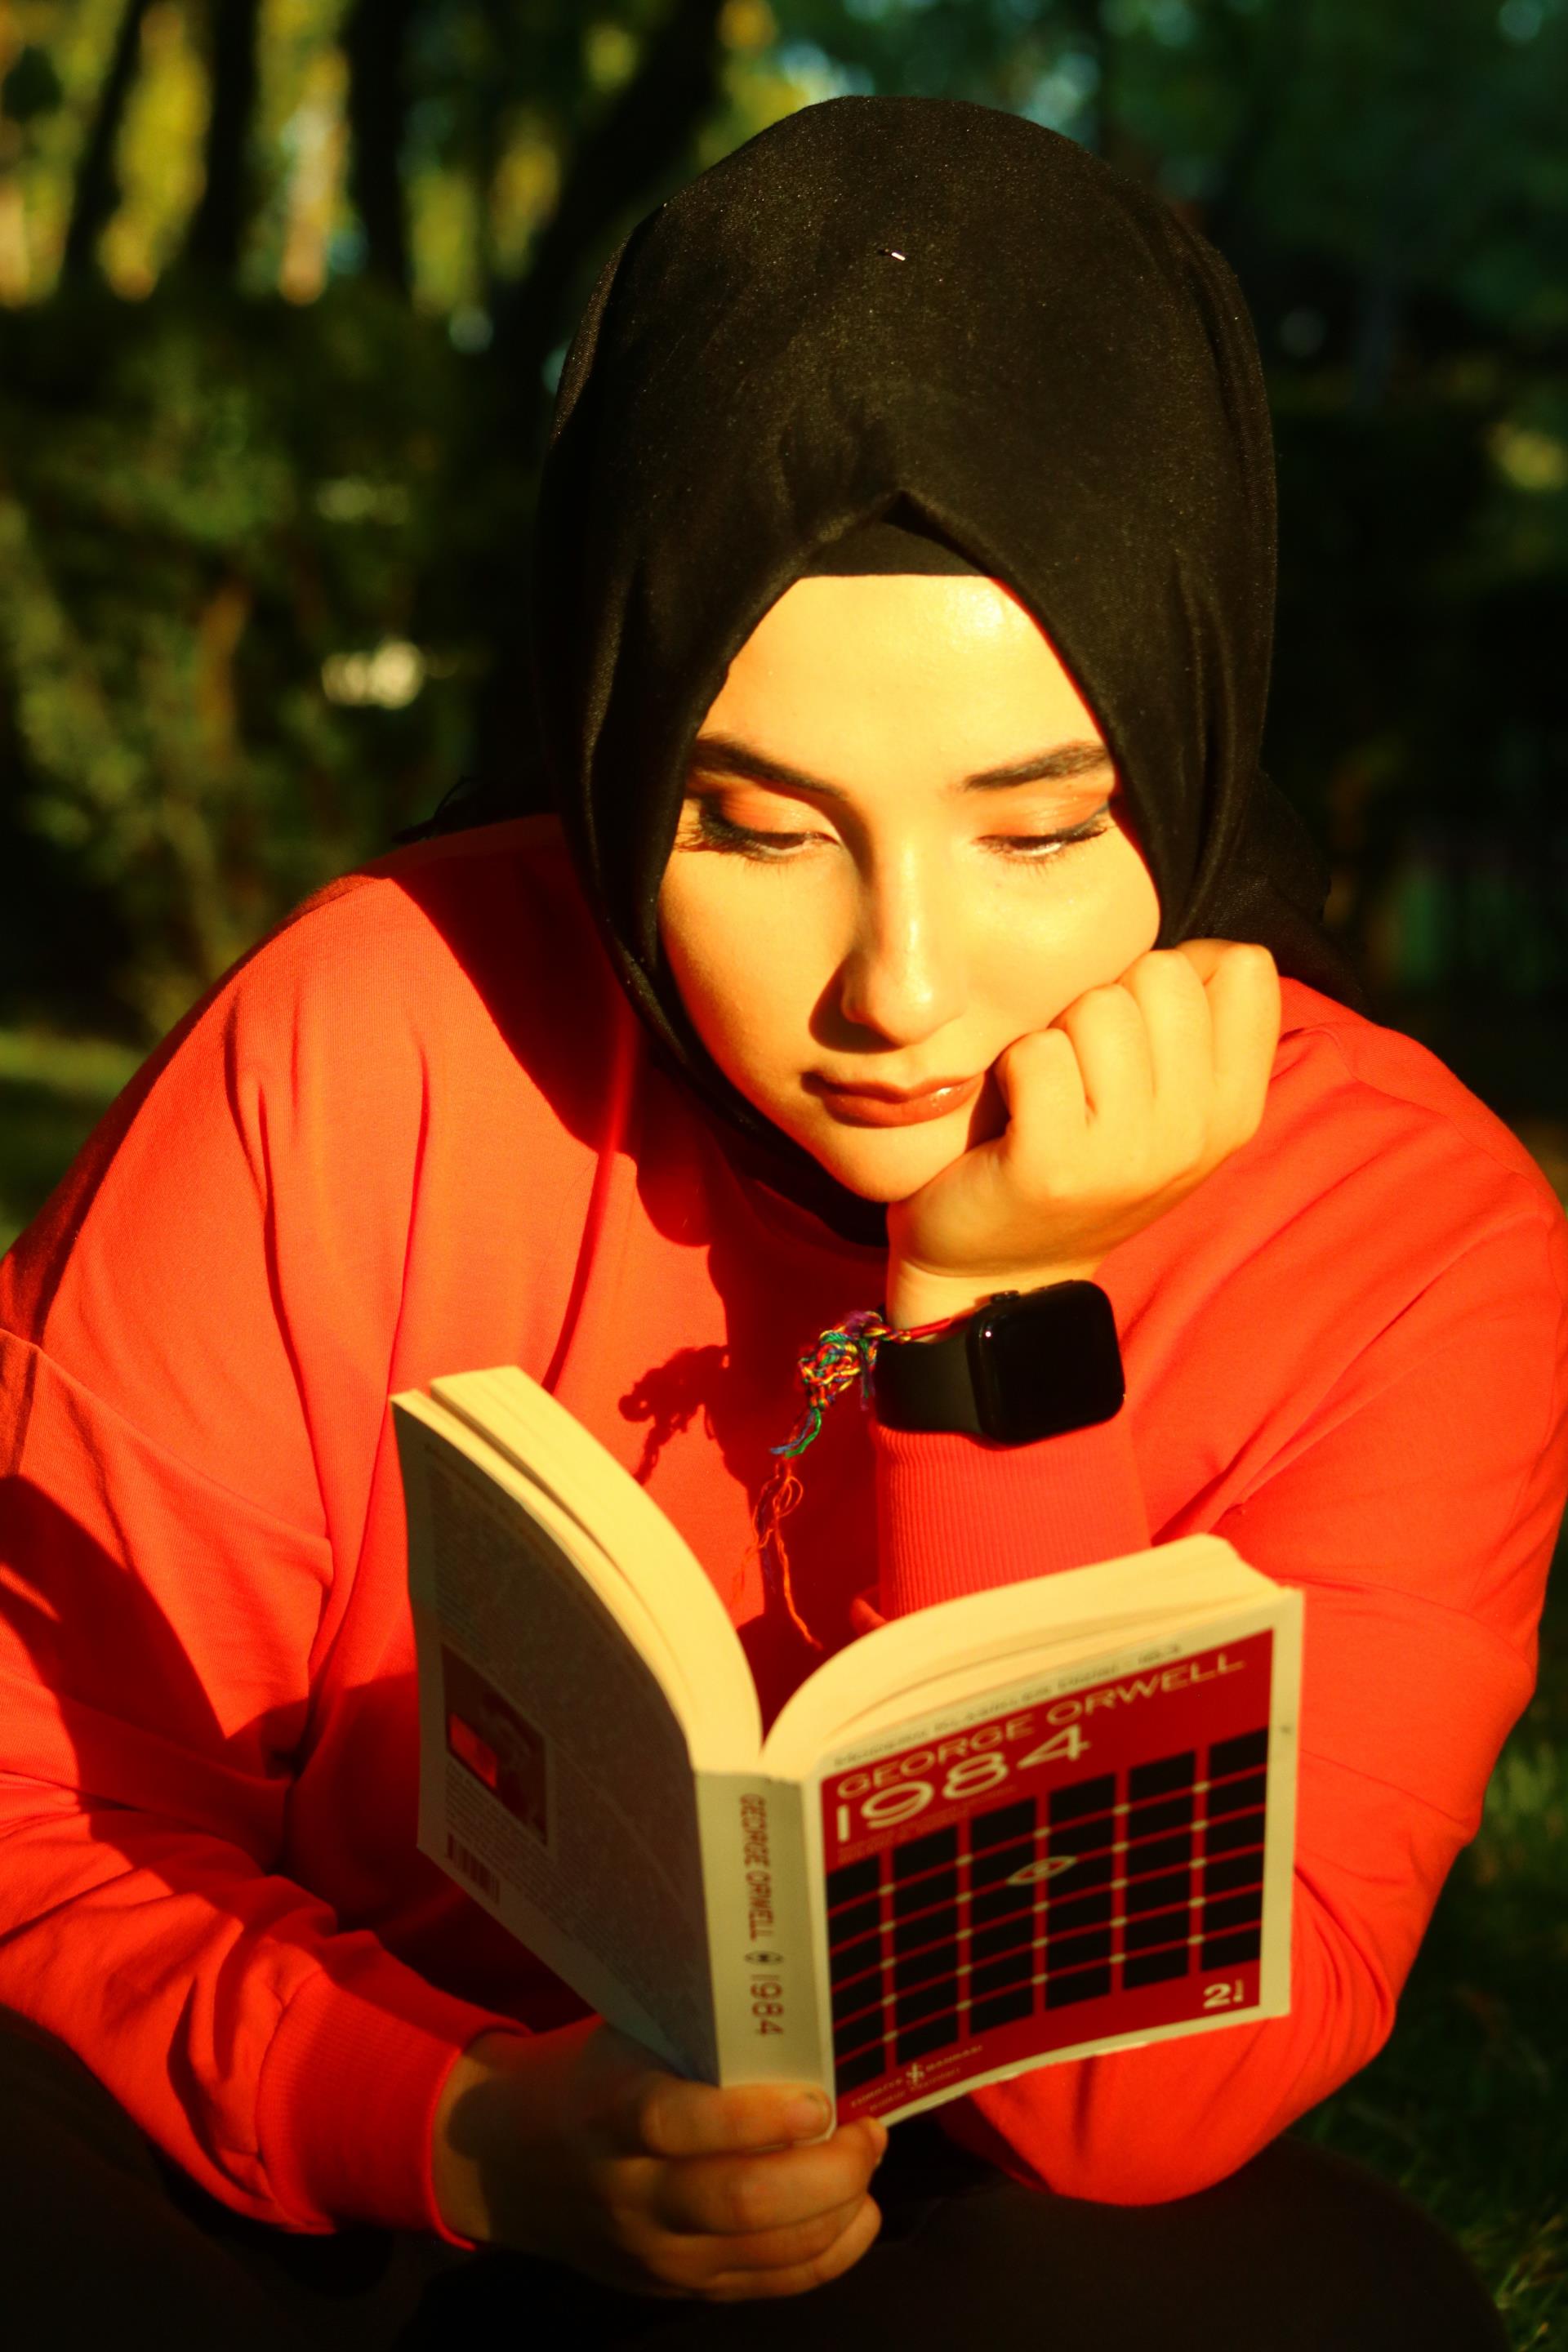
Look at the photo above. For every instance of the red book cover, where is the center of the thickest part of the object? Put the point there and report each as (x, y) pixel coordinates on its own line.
(1083, 1871)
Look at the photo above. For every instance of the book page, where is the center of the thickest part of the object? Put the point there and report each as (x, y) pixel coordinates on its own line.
(908, 1665)
(1097, 1860)
(555, 1783)
(527, 1425)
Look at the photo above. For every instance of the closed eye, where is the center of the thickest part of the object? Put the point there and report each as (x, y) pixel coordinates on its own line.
(714, 831)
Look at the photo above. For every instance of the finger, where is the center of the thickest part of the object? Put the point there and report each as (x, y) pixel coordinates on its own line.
(1205, 956)
(1110, 1040)
(732, 2196)
(1179, 1023)
(1041, 1084)
(740, 2285)
(1090, 1066)
(1246, 1009)
(667, 2116)
(1211, 957)
(777, 2248)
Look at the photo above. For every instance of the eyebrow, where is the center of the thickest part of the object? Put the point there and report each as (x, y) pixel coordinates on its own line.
(728, 756)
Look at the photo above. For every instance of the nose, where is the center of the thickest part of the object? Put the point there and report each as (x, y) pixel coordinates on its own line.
(903, 971)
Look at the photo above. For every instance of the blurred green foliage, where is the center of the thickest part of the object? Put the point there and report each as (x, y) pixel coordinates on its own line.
(53, 1092)
(220, 506)
(174, 571)
(269, 426)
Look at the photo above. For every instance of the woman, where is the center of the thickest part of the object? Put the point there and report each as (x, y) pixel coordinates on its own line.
(907, 445)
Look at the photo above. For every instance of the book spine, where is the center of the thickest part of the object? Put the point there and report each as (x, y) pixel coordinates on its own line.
(763, 1930)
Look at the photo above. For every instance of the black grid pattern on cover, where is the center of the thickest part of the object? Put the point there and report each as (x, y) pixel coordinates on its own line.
(1110, 1881)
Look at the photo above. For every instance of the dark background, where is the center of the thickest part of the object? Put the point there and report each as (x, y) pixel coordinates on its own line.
(284, 292)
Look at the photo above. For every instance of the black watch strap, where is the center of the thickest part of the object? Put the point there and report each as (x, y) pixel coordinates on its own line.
(1023, 1366)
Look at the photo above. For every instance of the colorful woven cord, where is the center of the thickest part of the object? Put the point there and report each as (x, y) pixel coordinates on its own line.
(849, 1351)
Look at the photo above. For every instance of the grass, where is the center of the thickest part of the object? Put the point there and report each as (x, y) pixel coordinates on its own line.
(1467, 2106)
(53, 1092)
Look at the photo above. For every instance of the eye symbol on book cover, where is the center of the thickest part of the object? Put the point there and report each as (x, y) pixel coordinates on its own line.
(1053, 1865)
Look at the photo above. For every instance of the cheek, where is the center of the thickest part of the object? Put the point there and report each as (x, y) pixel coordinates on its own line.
(1106, 914)
(684, 939)
(736, 957)
(1053, 936)
(1138, 900)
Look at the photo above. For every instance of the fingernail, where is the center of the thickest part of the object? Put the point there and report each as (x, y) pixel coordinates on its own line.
(810, 2113)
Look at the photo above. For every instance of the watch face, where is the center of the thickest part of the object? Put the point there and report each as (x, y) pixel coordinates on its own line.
(1046, 1362)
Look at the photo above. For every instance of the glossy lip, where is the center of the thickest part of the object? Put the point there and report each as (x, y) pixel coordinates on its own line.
(902, 1110)
(874, 1093)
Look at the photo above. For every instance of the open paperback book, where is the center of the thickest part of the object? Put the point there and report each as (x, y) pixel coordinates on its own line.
(1030, 1825)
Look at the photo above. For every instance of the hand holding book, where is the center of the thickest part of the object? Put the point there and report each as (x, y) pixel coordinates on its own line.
(1095, 1127)
(579, 2145)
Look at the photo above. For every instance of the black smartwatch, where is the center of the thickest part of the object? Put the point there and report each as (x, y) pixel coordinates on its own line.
(1026, 1364)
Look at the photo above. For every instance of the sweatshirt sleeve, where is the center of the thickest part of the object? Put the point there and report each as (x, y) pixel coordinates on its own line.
(171, 1577)
(1417, 1512)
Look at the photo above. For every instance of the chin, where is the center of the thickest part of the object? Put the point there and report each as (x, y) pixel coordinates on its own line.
(885, 1165)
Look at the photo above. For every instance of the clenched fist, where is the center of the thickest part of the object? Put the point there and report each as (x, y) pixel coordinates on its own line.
(1097, 1125)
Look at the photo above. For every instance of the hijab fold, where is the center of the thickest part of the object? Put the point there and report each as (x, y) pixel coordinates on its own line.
(923, 316)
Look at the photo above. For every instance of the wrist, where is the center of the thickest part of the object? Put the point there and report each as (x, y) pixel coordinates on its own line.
(1035, 1359)
(914, 1297)
(465, 2129)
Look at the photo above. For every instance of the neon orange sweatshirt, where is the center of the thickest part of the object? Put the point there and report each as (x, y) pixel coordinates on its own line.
(418, 1131)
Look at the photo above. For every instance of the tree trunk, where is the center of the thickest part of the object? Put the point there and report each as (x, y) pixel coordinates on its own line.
(1087, 18)
(650, 122)
(96, 196)
(216, 233)
(375, 40)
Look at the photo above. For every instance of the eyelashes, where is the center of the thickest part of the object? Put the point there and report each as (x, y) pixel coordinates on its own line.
(711, 829)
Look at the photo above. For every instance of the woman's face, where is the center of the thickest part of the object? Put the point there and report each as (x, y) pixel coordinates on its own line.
(892, 925)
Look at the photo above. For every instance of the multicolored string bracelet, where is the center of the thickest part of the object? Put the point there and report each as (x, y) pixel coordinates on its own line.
(848, 1351)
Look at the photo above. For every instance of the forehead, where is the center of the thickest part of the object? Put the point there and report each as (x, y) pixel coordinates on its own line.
(951, 655)
(966, 607)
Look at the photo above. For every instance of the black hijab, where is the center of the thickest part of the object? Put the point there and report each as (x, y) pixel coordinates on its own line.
(944, 317)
